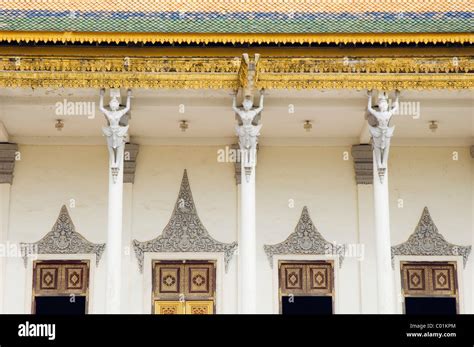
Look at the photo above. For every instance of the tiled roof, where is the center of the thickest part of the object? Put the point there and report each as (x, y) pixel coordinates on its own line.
(238, 16)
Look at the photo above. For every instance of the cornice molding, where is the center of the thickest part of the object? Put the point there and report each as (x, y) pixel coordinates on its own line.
(223, 72)
(245, 38)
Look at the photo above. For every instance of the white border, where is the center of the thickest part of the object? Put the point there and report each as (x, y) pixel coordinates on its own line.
(424, 258)
(149, 257)
(303, 257)
(29, 277)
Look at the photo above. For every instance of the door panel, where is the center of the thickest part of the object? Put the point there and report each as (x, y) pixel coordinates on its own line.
(319, 279)
(292, 278)
(184, 287)
(199, 280)
(169, 307)
(199, 307)
(187, 307)
(168, 279)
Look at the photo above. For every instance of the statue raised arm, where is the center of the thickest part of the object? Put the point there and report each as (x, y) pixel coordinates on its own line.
(382, 132)
(116, 133)
(247, 131)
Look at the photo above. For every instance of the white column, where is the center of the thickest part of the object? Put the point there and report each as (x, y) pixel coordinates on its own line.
(385, 295)
(4, 218)
(127, 268)
(239, 269)
(472, 224)
(366, 237)
(247, 244)
(114, 237)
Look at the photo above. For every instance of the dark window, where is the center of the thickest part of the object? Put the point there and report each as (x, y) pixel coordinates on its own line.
(60, 305)
(431, 305)
(306, 304)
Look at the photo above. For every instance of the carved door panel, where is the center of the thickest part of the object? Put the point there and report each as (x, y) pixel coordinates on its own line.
(184, 287)
(319, 279)
(199, 307)
(181, 307)
(199, 281)
(169, 307)
(292, 278)
(168, 281)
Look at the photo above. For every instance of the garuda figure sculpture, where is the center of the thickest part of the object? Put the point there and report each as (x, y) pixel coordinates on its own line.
(117, 128)
(382, 132)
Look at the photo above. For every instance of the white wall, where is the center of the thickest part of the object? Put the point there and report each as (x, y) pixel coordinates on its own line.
(317, 177)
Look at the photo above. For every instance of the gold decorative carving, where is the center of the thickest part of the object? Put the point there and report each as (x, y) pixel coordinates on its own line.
(199, 307)
(169, 307)
(229, 73)
(253, 38)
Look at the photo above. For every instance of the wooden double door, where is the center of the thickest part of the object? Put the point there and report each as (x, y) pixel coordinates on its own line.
(184, 287)
(429, 287)
(60, 287)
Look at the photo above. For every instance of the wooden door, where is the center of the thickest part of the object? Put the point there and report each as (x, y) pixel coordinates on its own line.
(184, 287)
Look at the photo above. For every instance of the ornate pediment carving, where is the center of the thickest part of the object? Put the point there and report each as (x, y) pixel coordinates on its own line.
(306, 239)
(62, 239)
(184, 232)
(426, 240)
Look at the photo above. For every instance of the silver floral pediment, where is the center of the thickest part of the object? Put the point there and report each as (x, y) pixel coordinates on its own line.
(184, 232)
(62, 239)
(426, 240)
(306, 239)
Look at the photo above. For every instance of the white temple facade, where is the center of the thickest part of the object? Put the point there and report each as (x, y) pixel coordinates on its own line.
(181, 226)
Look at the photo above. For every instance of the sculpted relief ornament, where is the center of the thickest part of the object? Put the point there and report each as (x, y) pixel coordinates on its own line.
(62, 239)
(116, 131)
(248, 131)
(306, 239)
(184, 232)
(426, 240)
(381, 133)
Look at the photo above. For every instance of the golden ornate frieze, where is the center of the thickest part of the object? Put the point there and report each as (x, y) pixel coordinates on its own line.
(224, 38)
(439, 72)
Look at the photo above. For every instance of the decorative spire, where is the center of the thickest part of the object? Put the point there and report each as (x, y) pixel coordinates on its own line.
(306, 239)
(426, 240)
(184, 232)
(62, 239)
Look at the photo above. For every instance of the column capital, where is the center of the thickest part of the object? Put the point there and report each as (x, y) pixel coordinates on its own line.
(363, 163)
(130, 162)
(7, 161)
